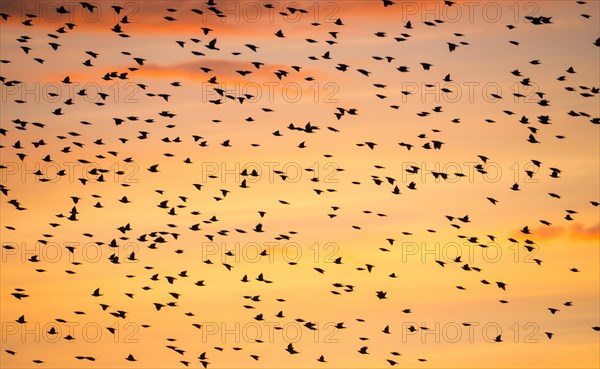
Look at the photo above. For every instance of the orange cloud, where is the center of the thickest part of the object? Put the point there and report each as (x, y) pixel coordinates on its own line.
(546, 233)
(223, 69)
(577, 232)
(582, 233)
(189, 18)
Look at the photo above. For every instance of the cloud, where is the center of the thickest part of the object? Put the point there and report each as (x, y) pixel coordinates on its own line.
(247, 18)
(581, 233)
(224, 70)
(575, 232)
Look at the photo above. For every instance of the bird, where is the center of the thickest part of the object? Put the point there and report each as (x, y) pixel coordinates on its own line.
(290, 349)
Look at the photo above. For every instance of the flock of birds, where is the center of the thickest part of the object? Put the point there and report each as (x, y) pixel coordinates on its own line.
(15, 148)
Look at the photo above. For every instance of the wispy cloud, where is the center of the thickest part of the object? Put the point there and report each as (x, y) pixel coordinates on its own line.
(575, 232)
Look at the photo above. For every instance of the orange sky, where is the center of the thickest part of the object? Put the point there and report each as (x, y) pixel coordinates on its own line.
(321, 201)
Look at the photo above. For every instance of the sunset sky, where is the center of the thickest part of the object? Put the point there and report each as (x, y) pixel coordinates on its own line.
(160, 131)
